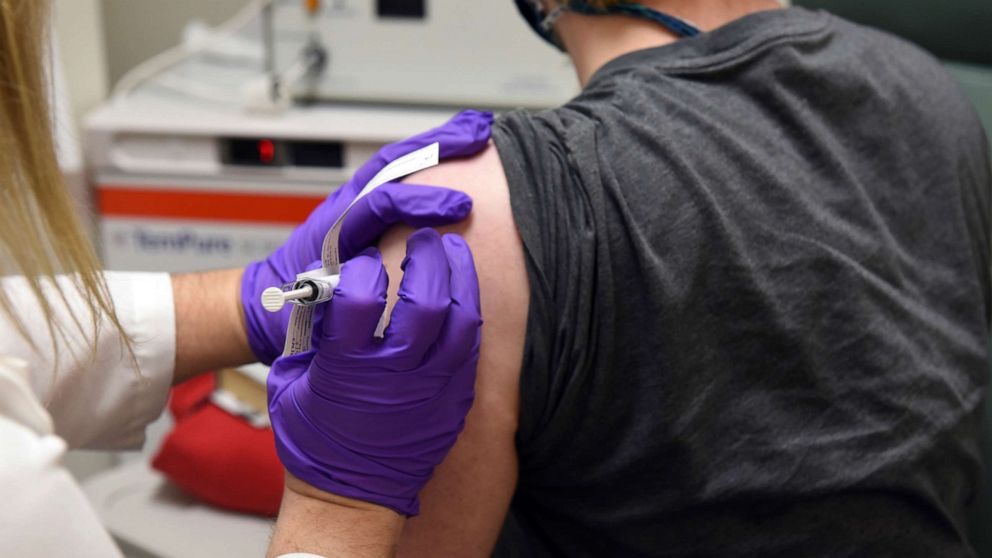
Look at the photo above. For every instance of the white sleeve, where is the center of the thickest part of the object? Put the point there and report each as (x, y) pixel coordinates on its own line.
(43, 512)
(101, 401)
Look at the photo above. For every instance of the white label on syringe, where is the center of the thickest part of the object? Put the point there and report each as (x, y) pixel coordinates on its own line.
(300, 330)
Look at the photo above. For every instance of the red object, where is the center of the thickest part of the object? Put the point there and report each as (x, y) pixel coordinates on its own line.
(217, 457)
(282, 209)
(266, 151)
(190, 395)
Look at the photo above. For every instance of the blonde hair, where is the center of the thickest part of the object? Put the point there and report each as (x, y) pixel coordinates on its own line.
(40, 233)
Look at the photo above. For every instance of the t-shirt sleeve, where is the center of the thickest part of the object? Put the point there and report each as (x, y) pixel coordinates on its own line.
(558, 224)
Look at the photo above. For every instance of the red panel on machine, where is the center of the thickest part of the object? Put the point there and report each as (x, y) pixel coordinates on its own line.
(205, 206)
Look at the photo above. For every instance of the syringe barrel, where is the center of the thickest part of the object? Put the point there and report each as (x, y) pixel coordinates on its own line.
(322, 288)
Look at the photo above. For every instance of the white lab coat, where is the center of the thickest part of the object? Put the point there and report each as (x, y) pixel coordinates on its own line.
(80, 401)
(76, 401)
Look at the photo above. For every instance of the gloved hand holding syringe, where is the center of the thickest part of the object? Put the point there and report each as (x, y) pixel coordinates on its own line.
(369, 217)
(316, 286)
(326, 403)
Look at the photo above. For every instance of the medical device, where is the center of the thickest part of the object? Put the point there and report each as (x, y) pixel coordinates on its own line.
(183, 185)
(199, 161)
(449, 53)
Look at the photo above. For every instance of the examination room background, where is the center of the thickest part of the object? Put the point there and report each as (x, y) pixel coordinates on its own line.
(99, 41)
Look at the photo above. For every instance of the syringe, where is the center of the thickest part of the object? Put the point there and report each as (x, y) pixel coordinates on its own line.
(316, 286)
(305, 292)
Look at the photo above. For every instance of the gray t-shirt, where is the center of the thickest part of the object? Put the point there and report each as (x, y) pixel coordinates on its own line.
(759, 263)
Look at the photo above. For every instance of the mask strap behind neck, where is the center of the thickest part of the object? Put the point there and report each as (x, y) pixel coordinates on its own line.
(679, 26)
(550, 19)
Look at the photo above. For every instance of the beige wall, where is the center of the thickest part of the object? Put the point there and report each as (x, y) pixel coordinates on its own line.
(139, 29)
(79, 32)
(100, 40)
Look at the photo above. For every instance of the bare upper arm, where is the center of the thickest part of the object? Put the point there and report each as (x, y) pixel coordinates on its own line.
(463, 506)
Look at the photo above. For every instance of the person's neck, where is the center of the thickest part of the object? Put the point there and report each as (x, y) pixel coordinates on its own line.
(592, 41)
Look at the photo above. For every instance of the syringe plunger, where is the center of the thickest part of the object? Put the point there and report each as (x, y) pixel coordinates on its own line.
(310, 290)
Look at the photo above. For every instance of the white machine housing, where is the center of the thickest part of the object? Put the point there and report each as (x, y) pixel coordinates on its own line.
(441, 52)
(167, 200)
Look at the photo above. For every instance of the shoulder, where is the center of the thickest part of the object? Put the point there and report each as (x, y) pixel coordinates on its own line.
(912, 81)
(464, 505)
(491, 233)
(490, 229)
(479, 175)
(894, 59)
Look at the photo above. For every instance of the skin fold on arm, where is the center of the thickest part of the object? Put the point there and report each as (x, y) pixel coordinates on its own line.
(465, 503)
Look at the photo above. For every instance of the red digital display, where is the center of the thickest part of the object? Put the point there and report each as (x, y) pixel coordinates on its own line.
(266, 151)
(271, 152)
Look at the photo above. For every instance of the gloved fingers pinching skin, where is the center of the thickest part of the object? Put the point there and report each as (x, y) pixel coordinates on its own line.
(464, 319)
(352, 314)
(371, 418)
(424, 301)
(390, 204)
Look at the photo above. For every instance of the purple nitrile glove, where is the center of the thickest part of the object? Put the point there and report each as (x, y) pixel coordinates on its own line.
(370, 418)
(392, 203)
